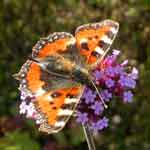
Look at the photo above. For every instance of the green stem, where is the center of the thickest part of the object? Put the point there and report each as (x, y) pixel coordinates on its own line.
(89, 138)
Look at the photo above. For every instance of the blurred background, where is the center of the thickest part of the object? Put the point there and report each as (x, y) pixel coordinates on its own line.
(22, 23)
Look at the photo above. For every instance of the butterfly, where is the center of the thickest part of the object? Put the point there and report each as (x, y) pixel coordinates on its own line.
(60, 67)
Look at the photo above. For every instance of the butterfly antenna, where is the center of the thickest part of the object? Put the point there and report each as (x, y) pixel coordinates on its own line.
(97, 91)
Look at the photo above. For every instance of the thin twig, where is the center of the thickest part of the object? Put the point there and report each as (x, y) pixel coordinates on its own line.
(89, 138)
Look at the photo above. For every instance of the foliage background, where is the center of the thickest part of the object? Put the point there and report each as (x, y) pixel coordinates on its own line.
(22, 23)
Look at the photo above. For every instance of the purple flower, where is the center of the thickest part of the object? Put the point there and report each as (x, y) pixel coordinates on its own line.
(116, 52)
(31, 111)
(126, 81)
(82, 117)
(25, 95)
(97, 107)
(106, 95)
(100, 124)
(98, 75)
(110, 60)
(109, 83)
(124, 63)
(89, 96)
(28, 109)
(114, 71)
(23, 107)
(134, 74)
(110, 71)
(118, 70)
(103, 123)
(127, 97)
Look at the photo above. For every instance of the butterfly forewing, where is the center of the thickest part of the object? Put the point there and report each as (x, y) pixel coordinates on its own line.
(94, 40)
(57, 107)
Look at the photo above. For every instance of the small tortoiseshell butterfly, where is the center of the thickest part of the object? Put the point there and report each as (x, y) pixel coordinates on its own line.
(60, 67)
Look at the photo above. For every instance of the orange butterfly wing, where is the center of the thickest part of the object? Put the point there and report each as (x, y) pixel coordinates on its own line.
(53, 44)
(55, 98)
(94, 39)
(57, 106)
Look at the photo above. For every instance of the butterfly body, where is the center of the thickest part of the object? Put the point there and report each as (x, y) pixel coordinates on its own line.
(60, 67)
(66, 69)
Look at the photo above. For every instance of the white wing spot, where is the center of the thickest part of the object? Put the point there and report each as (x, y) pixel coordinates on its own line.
(99, 50)
(49, 98)
(23, 81)
(106, 39)
(40, 92)
(70, 100)
(59, 124)
(71, 41)
(65, 112)
(22, 75)
(113, 30)
(84, 40)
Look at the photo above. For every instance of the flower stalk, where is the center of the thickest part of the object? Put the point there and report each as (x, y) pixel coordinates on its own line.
(89, 137)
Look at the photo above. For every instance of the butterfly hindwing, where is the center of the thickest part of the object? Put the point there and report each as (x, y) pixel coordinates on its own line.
(57, 107)
(55, 98)
(94, 40)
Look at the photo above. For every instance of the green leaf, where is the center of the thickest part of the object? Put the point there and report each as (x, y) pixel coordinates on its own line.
(18, 141)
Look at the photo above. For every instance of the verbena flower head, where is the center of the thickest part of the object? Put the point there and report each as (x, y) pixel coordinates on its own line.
(112, 79)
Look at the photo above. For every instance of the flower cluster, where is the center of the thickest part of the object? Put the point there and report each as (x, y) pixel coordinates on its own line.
(26, 106)
(112, 79)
